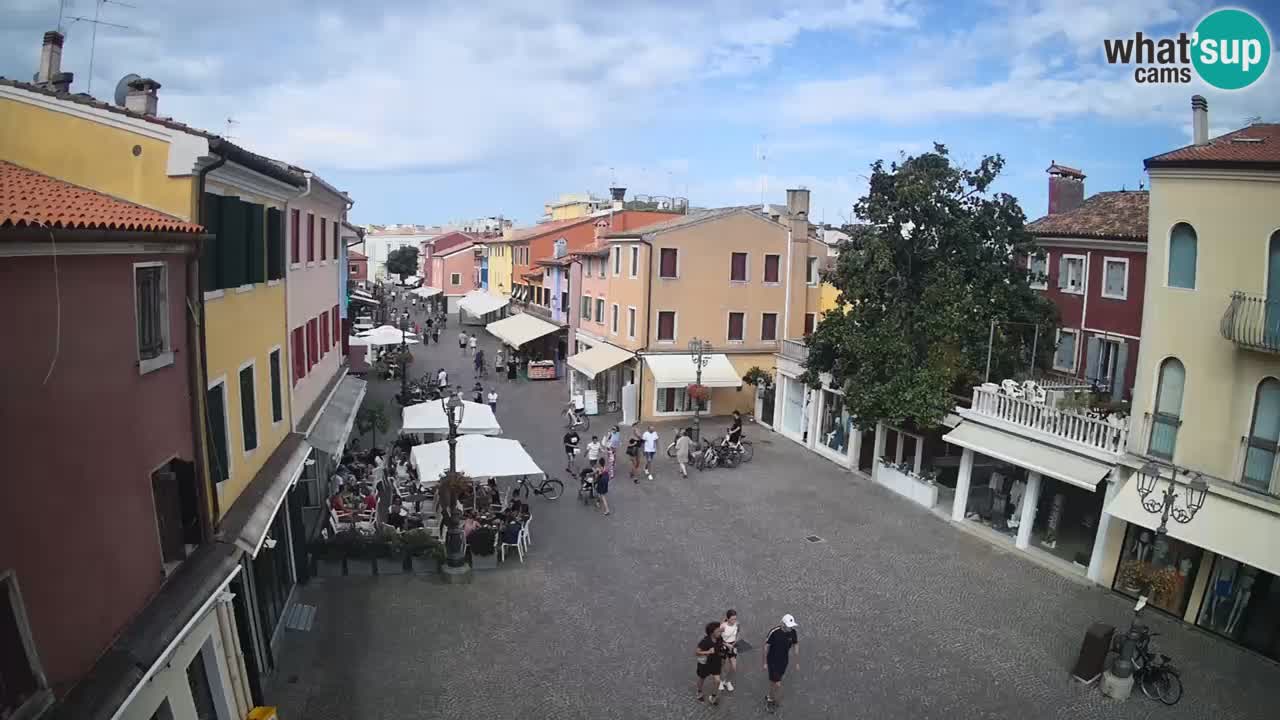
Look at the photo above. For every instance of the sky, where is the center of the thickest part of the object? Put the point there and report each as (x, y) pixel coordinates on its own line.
(432, 112)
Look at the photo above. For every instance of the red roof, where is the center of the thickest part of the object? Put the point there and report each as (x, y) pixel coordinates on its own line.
(449, 241)
(29, 199)
(1115, 215)
(355, 255)
(1253, 147)
(1056, 169)
(529, 233)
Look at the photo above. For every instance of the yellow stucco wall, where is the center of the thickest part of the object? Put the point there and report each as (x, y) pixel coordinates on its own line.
(499, 269)
(723, 400)
(94, 155)
(827, 294)
(1234, 220)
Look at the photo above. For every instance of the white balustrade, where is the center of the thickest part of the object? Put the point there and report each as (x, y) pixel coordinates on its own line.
(1106, 435)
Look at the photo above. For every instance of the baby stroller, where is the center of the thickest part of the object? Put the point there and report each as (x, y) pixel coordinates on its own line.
(587, 486)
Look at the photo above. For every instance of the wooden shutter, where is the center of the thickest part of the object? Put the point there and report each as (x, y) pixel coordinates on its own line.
(311, 237)
(771, 268)
(1093, 353)
(337, 324)
(216, 409)
(324, 333)
(298, 355)
(211, 218)
(295, 236)
(248, 409)
(275, 244)
(1119, 373)
(1062, 273)
(666, 325)
(337, 235)
(769, 326)
(164, 490)
(233, 246)
(324, 235)
(735, 326)
(256, 217)
(667, 265)
(738, 267)
(313, 341)
(809, 319)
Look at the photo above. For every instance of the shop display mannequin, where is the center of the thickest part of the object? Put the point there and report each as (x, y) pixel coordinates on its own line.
(999, 501)
(1142, 550)
(1054, 519)
(1247, 578)
(1017, 496)
(1223, 584)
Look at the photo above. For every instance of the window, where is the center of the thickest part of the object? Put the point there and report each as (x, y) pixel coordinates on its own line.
(1115, 278)
(277, 398)
(324, 239)
(295, 241)
(635, 261)
(771, 265)
(769, 326)
(313, 344)
(1065, 357)
(216, 409)
(631, 323)
(337, 325)
(1264, 434)
(737, 323)
(1168, 410)
(613, 325)
(668, 263)
(248, 408)
(584, 312)
(601, 262)
(617, 260)
(1038, 271)
(738, 267)
(1071, 274)
(298, 353)
(666, 326)
(275, 244)
(311, 237)
(354, 268)
(150, 282)
(600, 310)
(455, 279)
(811, 271)
(564, 301)
(810, 319)
(324, 333)
(337, 235)
(201, 687)
(1182, 257)
(24, 692)
(675, 400)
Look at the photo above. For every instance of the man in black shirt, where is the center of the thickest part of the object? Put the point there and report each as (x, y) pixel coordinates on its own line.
(734, 437)
(571, 441)
(781, 644)
(710, 654)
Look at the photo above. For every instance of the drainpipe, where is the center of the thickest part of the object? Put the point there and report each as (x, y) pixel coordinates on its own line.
(786, 296)
(198, 361)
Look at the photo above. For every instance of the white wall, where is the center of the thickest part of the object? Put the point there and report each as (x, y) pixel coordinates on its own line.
(312, 289)
(171, 681)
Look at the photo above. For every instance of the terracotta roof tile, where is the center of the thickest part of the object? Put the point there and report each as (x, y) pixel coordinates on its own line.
(1056, 168)
(1115, 215)
(522, 234)
(1256, 146)
(356, 255)
(446, 243)
(29, 199)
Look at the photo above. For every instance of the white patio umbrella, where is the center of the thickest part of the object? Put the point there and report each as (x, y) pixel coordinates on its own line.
(478, 456)
(428, 417)
(384, 335)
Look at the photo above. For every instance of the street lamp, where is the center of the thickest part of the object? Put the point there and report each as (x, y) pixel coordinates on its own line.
(700, 352)
(455, 542)
(404, 363)
(1164, 503)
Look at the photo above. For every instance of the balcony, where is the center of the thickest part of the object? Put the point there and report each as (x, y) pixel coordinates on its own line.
(1105, 435)
(1252, 322)
(537, 310)
(794, 350)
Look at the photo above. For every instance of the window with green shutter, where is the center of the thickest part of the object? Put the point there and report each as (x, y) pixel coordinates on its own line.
(233, 254)
(211, 219)
(256, 262)
(275, 244)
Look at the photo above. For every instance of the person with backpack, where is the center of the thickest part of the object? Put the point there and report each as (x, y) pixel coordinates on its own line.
(710, 654)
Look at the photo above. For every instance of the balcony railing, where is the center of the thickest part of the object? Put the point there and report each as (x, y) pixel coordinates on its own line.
(538, 311)
(1099, 434)
(794, 350)
(1253, 322)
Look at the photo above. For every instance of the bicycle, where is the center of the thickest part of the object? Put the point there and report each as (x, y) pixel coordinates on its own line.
(573, 419)
(549, 488)
(1153, 672)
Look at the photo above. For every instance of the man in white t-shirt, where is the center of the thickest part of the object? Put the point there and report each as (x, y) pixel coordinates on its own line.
(650, 438)
(442, 379)
(593, 451)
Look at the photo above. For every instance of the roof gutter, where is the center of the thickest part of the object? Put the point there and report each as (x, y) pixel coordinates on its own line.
(257, 163)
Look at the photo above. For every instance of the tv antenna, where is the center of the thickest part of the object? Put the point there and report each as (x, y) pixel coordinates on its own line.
(763, 158)
(231, 125)
(95, 21)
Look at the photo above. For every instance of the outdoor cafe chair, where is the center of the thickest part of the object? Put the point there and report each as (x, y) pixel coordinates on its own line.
(503, 545)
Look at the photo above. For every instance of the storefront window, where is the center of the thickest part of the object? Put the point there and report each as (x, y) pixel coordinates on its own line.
(674, 399)
(1243, 603)
(1066, 521)
(794, 407)
(1161, 566)
(835, 422)
(997, 503)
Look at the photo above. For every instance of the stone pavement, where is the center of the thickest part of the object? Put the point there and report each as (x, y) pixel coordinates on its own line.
(901, 615)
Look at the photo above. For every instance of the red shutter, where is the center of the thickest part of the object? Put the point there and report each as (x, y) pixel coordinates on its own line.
(311, 237)
(295, 234)
(324, 245)
(299, 355)
(738, 267)
(666, 326)
(808, 323)
(337, 325)
(667, 265)
(313, 342)
(735, 326)
(769, 326)
(324, 332)
(771, 268)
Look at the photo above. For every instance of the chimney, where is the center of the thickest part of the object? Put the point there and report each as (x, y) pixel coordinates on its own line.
(1200, 119)
(618, 194)
(798, 203)
(1066, 188)
(142, 96)
(50, 75)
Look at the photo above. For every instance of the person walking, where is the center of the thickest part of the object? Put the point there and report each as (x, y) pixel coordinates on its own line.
(780, 645)
(593, 451)
(634, 446)
(650, 438)
(479, 361)
(729, 630)
(611, 443)
(513, 366)
(498, 366)
(571, 440)
(442, 380)
(493, 400)
(471, 343)
(602, 486)
(435, 335)
(477, 393)
(683, 445)
(710, 660)
(462, 341)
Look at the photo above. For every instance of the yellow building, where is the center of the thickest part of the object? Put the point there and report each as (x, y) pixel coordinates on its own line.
(571, 206)
(1206, 401)
(499, 253)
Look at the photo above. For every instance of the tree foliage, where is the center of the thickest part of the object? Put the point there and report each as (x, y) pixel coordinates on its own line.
(935, 261)
(373, 419)
(403, 261)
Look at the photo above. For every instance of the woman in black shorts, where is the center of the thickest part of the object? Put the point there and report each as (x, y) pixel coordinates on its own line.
(710, 654)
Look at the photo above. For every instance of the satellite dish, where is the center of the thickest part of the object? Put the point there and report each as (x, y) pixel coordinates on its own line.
(122, 87)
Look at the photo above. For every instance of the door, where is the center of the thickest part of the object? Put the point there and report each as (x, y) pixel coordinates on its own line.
(1273, 292)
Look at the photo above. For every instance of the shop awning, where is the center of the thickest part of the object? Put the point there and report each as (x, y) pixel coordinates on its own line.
(595, 360)
(428, 417)
(330, 432)
(477, 455)
(481, 303)
(250, 516)
(520, 329)
(1059, 464)
(681, 370)
(1225, 525)
(426, 292)
(365, 300)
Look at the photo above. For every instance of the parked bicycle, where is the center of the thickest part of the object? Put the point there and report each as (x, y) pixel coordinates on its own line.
(550, 488)
(717, 454)
(1154, 672)
(745, 449)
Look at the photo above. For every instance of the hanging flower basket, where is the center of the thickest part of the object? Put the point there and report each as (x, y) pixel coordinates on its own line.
(700, 393)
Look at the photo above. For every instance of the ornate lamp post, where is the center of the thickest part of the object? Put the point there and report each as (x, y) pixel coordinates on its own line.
(404, 364)
(700, 350)
(1164, 504)
(454, 542)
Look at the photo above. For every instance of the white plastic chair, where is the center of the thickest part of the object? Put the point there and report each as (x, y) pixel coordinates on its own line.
(1011, 388)
(518, 545)
(1033, 392)
(525, 536)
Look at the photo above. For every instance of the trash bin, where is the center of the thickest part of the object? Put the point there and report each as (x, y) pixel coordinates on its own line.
(1093, 652)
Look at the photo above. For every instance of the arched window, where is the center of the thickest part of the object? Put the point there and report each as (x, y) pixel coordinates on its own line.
(1168, 410)
(1182, 257)
(1264, 434)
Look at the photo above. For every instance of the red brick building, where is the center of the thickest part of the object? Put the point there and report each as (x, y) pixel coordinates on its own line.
(1093, 267)
(357, 268)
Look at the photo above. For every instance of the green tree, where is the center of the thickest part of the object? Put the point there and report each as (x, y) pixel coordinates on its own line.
(373, 419)
(403, 261)
(936, 260)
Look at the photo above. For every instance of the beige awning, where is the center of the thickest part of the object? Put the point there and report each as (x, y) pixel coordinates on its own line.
(1224, 525)
(1044, 459)
(520, 329)
(671, 370)
(597, 359)
(480, 303)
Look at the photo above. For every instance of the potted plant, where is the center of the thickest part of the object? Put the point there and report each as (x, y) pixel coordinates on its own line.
(698, 393)
(419, 547)
(1129, 577)
(1162, 583)
(483, 545)
(761, 379)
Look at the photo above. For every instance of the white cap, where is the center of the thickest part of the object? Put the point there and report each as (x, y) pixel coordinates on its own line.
(788, 621)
